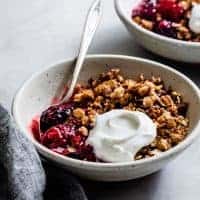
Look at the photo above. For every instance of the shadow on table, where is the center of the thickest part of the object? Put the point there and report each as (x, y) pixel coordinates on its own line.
(138, 189)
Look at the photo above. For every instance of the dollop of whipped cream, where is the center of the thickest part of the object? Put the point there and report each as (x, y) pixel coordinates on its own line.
(194, 22)
(119, 134)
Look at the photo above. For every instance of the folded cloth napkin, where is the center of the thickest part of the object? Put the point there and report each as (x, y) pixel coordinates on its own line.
(25, 176)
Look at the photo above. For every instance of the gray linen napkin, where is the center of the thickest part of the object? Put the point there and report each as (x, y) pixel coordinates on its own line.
(24, 172)
(26, 178)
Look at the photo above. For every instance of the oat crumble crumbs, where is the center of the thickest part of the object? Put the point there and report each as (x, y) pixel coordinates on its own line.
(112, 90)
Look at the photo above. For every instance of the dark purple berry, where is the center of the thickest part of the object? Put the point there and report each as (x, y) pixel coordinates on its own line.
(146, 9)
(54, 115)
(165, 27)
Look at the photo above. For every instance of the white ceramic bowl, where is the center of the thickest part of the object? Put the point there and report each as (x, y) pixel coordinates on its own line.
(164, 46)
(36, 94)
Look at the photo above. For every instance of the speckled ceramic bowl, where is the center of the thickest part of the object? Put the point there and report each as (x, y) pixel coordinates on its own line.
(36, 94)
(164, 46)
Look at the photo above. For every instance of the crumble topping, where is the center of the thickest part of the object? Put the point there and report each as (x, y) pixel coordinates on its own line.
(69, 124)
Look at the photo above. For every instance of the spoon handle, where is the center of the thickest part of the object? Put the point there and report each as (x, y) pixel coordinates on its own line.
(92, 22)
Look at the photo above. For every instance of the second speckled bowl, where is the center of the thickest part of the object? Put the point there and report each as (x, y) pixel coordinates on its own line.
(164, 46)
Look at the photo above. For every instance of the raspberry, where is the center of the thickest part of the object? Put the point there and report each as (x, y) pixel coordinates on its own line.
(170, 10)
(76, 141)
(58, 136)
(54, 115)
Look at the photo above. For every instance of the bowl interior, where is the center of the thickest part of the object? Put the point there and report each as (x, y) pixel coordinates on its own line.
(37, 92)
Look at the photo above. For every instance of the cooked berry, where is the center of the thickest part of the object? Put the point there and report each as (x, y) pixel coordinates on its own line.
(58, 136)
(54, 115)
(145, 9)
(88, 153)
(77, 140)
(84, 152)
(165, 27)
(53, 138)
(170, 10)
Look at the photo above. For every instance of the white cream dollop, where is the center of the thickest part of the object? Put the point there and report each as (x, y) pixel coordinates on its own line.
(194, 22)
(119, 134)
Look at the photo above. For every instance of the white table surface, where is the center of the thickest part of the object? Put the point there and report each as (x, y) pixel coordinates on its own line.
(36, 33)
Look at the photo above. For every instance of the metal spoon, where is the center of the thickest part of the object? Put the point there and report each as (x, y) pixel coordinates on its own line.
(92, 22)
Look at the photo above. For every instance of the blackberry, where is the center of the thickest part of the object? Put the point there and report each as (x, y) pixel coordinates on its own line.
(55, 115)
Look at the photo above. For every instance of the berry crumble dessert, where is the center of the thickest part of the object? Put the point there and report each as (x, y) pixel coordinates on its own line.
(179, 19)
(113, 118)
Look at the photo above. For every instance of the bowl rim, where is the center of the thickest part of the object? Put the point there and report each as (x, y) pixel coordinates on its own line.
(152, 34)
(74, 162)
